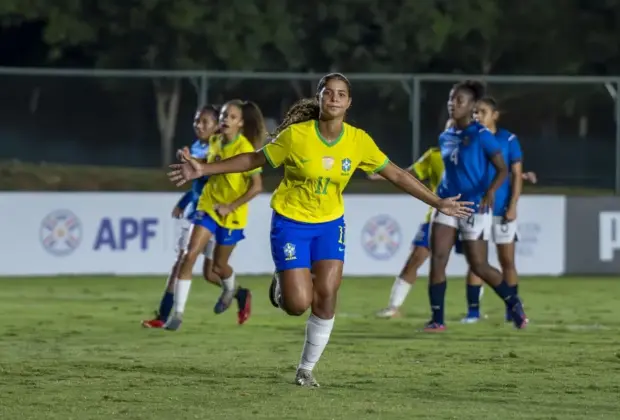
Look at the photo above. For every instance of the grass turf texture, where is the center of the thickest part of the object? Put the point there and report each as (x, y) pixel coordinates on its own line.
(18, 176)
(72, 348)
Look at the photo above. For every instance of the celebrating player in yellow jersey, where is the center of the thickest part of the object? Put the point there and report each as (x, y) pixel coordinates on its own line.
(222, 210)
(428, 168)
(319, 153)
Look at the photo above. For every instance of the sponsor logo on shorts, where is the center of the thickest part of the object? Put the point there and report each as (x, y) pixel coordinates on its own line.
(381, 237)
(60, 232)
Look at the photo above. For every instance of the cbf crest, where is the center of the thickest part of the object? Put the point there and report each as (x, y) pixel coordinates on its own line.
(346, 166)
(289, 252)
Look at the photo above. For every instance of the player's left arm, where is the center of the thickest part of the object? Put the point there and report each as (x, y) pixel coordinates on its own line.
(493, 151)
(375, 161)
(516, 177)
(255, 188)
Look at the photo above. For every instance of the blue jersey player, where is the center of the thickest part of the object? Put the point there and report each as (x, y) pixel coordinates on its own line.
(468, 150)
(205, 126)
(504, 229)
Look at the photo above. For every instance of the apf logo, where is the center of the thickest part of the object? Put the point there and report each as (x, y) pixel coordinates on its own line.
(60, 232)
(381, 237)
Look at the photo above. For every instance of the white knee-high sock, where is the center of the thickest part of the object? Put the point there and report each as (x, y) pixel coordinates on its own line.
(399, 292)
(317, 336)
(229, 285)
(181, 293)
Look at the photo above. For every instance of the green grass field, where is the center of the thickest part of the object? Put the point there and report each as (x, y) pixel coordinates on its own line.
(72, 348)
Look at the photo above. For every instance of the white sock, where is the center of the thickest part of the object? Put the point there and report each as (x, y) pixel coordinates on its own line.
(229, 286)
(317, 335)
(399, 292)
(181, 293)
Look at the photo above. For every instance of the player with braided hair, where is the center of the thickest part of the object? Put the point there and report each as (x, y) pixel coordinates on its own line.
(319, 152)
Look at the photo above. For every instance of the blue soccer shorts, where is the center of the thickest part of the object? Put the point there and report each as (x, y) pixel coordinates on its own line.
(223, 235)
(422, 237)
(299, 245)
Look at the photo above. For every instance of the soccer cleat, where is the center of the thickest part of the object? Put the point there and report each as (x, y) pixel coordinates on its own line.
(469, 319)
(275, 294)
(153, 323)
(304, 378)
(519, 319)
(388, 313)
(223, 302)
(432, 326)
(244, 300)
(174, 322)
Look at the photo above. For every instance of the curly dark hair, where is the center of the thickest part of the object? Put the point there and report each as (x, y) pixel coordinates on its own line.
(477, 88)
(490, 101)
(254, 128)
(308, 108)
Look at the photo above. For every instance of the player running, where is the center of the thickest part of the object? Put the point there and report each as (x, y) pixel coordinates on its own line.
(504, 229)
(222, 210)
(468, 150)
(319, 152)
(205, 126)
(428, 168)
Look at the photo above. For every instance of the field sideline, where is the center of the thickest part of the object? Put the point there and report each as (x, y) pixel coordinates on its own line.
(72, 348)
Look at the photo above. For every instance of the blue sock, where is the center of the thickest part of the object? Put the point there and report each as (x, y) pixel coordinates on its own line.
(507, 294)
(436, 296)
(473, 301)
(165, 306)
(515, 289)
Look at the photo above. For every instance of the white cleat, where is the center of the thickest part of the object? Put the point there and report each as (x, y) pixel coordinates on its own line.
(304, 378)
(174, 322)
(470, 320)
(388, 313)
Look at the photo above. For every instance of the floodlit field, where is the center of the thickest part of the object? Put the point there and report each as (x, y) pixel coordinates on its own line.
(73, 348)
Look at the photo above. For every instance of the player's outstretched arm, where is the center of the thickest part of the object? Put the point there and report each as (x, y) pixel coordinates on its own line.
(190, 169)
(409, 184)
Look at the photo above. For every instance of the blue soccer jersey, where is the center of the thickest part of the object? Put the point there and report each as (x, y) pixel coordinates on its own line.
(467, 157)
(189, 200)
(511, 152)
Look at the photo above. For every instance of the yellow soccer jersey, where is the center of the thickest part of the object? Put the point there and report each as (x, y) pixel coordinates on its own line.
(430, 167)
(316, 172)
(226, 188)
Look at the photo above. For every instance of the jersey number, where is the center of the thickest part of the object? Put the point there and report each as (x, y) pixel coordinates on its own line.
(454, 156)
(341, 237)
(321, 185)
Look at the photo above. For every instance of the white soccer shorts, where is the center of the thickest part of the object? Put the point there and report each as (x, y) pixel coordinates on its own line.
(184, 236)
(475, 227)
(504, 232)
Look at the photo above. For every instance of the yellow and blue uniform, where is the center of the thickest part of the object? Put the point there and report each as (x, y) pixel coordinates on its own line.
(308, 207)
(429, 168)
(225, 189)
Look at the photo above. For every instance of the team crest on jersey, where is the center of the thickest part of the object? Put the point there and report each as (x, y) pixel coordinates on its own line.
(289, 252)
(346, 166)
(328, 162)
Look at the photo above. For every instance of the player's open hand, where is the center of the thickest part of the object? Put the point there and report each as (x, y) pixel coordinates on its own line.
(185, 171)
(452, 207)
(223, 209)
(177, 212)
(531, 177)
